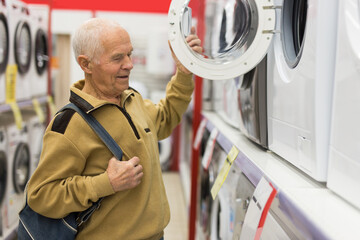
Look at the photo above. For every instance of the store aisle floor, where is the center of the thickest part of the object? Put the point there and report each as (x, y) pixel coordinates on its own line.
(178, 226)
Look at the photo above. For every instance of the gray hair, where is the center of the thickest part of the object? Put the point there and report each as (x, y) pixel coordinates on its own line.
(87, 38)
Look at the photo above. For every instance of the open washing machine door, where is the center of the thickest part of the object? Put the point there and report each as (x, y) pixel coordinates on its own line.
(237, 34)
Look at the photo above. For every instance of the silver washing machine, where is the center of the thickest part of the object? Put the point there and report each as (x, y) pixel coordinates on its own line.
(244, 191)
(252, 102)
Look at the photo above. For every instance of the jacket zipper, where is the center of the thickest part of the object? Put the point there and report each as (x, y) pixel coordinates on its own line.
(128, 117)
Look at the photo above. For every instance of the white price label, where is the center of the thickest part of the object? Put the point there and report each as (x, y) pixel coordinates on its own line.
(200, 133)
(209, 149)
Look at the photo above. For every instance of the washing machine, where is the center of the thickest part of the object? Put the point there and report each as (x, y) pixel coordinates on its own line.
(39, 14)
(3, 173)
(223, 207)
(4, 48)
(252, 102)
(205, 199)
(299, 90)
(21, 45)
(19, 160)
(244, 192)
(301, 84)
(36, 133)
(344, 164)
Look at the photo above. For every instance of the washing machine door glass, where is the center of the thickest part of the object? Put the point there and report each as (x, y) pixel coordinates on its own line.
(235, 35)
(4, 43)
(21, 167)
(41, 51)
(294, 14)
(3, 175)
(23, 47)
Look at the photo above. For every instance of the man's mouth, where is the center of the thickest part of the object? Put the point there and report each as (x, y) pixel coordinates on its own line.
(123, 76)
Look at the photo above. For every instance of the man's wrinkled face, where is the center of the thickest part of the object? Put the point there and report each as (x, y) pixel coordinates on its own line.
(111, 71)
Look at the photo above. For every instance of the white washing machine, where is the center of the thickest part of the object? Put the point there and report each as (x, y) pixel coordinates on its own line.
(300, 82)
(4, 48)
(3, 173)
(300, 88)
(21, 45)
(19, 159)
(39, 69)
(344, 165)
(36, 133)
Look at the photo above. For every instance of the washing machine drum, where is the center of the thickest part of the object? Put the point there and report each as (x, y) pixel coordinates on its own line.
(41, 52)
(4, 43)
(21, 167)
(3, 175)
(23, 47)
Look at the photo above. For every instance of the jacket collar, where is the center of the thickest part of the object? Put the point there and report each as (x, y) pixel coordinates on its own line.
(88, 102)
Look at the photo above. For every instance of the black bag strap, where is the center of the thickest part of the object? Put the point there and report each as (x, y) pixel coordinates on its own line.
(98, 129)
(108, 141)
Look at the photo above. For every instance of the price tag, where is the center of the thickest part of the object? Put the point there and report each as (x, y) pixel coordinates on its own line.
(220, 179)
(10, 75)
(258, 209)
(209, 149)
(51, 105)
(17, 114)
(200, 133)
(38, 110)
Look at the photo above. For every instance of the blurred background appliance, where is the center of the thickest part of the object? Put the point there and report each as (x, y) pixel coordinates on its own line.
(36, 133)
(4, 47)
(21, 43)
(19, 159)
(39, 69)
(3, 173)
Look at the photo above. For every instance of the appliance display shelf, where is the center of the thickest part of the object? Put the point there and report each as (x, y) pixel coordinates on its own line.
(312, 208)
(23, 104)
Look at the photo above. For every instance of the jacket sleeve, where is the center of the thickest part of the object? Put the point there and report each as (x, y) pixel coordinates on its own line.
(57, 187)
(167, 114)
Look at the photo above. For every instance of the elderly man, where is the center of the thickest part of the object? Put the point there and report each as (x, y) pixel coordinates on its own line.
(76, 168)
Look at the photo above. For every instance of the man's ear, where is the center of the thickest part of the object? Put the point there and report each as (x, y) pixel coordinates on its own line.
(85, 63)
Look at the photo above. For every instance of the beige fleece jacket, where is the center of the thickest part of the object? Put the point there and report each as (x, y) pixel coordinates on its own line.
(72, 168)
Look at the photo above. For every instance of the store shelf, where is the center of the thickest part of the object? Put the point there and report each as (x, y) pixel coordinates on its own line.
(23, 104)
(315, 211)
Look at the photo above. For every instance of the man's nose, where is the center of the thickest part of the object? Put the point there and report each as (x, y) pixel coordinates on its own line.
(128, 63)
